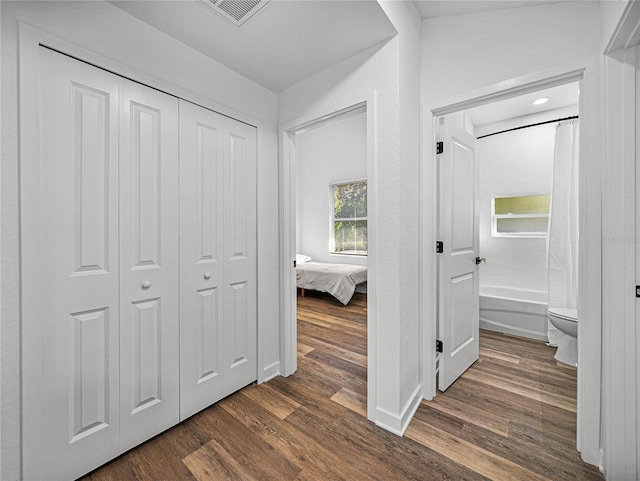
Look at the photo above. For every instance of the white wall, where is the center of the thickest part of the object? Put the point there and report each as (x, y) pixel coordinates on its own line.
(108, 31)
(465, 52)
(332, 152)
(515, 163)
(610, 12)
(389, 74)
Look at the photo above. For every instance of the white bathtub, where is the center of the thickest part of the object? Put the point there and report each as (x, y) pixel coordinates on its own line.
(522, 312)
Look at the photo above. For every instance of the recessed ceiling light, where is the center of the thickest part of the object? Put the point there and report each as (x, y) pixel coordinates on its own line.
(540, 101)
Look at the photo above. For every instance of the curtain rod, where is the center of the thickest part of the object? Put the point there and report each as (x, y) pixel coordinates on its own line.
(527, 126)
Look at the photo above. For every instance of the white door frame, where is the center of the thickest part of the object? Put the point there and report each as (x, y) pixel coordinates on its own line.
(288, 294)
(587, 72)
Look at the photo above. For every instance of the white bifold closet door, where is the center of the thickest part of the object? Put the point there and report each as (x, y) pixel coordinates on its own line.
(218, 294)
(139, 296)
(101, 350)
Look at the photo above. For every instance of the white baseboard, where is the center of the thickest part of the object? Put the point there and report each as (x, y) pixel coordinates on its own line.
(398, 424)
(270, 372)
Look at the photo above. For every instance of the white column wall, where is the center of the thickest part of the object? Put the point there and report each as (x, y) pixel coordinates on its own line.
(109, 32)
(406, 20)
(620, 268)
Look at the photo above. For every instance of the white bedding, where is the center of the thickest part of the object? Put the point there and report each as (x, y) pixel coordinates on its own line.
(339, 280)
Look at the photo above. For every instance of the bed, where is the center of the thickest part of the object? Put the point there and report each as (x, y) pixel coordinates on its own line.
(339, 280)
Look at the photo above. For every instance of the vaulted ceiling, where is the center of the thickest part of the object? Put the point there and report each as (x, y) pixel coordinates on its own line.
(284, 43)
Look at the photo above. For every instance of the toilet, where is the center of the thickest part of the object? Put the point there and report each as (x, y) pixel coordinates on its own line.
(566, 320)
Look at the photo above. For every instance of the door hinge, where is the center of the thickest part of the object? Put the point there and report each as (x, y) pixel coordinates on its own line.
(439, 147)
(439, 247)
(637, 291)
(438, 345)
(295, 263)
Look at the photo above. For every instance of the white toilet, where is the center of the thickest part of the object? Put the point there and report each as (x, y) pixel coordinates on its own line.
(566, 320)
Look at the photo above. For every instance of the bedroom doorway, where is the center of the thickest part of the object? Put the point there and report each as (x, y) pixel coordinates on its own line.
(325, 234)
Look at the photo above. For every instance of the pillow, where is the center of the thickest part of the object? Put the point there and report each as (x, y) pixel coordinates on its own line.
(302, 259)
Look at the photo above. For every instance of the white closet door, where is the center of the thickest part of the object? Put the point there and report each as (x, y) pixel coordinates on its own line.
(218, 327)
(149, 327)
(240, 256)
(201, 258)
(70, 267)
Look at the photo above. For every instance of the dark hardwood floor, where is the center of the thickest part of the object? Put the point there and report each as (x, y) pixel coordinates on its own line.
(510, 417)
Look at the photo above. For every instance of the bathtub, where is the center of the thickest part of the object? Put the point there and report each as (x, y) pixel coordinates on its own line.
(522, 312)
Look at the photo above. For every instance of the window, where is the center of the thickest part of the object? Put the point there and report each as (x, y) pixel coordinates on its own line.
(521, 216)
(349, 219)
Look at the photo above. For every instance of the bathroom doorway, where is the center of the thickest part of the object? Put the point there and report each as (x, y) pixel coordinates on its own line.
(590, 233)
(498, 166)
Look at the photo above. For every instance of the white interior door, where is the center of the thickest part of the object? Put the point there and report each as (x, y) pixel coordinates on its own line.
(218, 330)
(70, 283)
(458, 272)
(149, 323)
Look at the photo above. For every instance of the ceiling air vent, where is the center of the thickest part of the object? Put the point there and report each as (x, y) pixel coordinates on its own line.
(236, 11)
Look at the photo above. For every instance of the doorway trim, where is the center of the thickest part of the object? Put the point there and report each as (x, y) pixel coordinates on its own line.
(287, 207)
(587, 72)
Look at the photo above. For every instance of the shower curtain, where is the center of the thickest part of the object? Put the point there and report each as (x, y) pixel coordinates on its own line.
(562, 241)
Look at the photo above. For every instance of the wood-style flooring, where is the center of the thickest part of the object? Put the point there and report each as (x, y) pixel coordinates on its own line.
(510, 417)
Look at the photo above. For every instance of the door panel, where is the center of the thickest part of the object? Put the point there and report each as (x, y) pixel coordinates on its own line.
(461, 312)
(75, 283)
(237, 335)
(208, 327)
(462, 190)
(201, 258)
(240, 259)
(146, 325)
(144, 184)
(90, 363)
(459, 283)
(149, 328)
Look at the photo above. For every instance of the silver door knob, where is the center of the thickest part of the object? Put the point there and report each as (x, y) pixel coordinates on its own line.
(207, 276)
(146, 284)
(481, 260)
